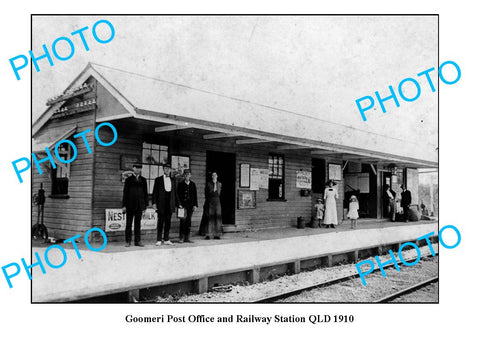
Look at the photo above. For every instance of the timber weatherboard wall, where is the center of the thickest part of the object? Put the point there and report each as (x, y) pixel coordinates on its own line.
(95, 181)
(65, 217)
(132, 133)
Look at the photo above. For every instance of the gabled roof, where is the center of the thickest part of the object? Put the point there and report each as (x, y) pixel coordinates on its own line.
(156, 99)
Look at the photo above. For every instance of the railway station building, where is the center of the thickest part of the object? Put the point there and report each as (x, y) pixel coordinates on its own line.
(273, 164)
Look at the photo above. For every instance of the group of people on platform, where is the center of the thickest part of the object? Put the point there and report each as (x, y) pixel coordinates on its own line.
(167, 197)
(405, 202)
(327, 213)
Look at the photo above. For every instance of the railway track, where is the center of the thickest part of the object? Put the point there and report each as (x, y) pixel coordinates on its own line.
(334, 281)
(407, 290)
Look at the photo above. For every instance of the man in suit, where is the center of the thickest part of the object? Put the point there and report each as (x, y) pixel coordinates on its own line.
(187, 199)
(134, 203)
(405, 201)
(164, 203)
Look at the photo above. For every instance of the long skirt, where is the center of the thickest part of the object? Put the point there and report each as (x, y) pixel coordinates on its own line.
(211, 224)
(330, 216)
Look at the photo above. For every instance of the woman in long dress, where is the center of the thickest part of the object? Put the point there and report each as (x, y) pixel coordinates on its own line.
(211, 224)
(330, 196)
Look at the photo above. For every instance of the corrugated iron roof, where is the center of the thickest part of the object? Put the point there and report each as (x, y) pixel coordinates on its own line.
(148, 95)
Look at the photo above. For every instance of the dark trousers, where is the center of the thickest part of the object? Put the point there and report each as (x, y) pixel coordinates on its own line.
(164, 219)
(134, 216)
(185, 224)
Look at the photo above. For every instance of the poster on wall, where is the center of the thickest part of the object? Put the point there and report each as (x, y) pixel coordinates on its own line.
(247, 199)
(258, 178)
(180, 163)
(263, 173)
(335, 172)
(116, 220)
(244, 175)
(304, 180)
(254, 179)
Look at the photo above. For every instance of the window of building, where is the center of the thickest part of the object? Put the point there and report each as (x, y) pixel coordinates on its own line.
(276, 177)
(61, 174)
(153, 157)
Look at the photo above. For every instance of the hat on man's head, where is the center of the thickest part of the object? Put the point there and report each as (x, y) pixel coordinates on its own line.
(137, 164)
(167, 165)
(187, 170)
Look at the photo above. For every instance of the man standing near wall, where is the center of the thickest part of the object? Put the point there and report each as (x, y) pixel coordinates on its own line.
(187, 199)
(164, 203)
(391, 202)
(134, 203)
(406, 201)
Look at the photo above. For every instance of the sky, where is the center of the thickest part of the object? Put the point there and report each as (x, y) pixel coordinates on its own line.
(313, 65)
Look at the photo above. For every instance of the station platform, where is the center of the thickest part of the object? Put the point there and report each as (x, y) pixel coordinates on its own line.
(118, 269)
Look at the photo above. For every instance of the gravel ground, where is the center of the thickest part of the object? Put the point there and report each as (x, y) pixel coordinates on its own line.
(424, 295)
(377, 286)
(352, 293)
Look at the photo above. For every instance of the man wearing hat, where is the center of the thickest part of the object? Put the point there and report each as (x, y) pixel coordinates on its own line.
(164, 203)
(187, 199)
(134, 203)
(405, 201)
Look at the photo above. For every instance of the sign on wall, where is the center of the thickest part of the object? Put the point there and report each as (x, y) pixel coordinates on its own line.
(247, 199)
(335, 172)
(258, 178)
(304, 180)
(116, 220)
(244, 175)
(180, 163)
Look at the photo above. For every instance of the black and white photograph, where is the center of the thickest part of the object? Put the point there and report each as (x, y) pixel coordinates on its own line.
(238, 174)
(172, 113)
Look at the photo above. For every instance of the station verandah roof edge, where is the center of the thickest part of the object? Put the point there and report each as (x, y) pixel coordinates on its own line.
(136, 112)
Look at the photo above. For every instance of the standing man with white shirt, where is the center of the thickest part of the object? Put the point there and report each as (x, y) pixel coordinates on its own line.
(164, 204)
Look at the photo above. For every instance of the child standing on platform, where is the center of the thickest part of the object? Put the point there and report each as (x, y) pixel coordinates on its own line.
(319, 209)
(353, 211)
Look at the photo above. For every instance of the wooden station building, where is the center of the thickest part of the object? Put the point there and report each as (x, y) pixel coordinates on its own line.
(273, 164)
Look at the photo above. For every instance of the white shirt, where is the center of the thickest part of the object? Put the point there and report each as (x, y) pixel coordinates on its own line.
(389, 194)
(168, 184)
